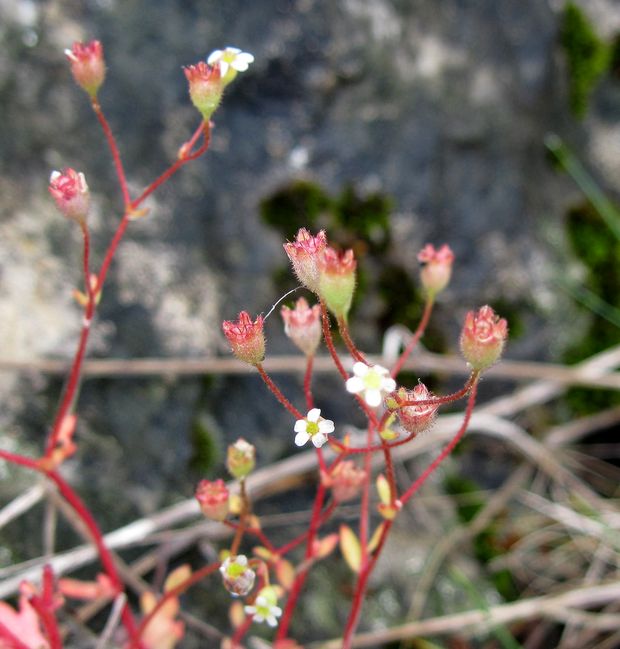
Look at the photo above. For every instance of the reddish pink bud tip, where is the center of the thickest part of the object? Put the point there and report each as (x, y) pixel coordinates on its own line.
(436, 267)
(87, 65)
(246, 338)
(304, 254)
(70, 191)
(303, 325)
(483, 337)
(213, 498)
(205, 87)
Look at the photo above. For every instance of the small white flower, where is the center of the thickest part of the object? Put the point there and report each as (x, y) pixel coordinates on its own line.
(313, 427)
(230, 57)
(373, 382)
(265, 608)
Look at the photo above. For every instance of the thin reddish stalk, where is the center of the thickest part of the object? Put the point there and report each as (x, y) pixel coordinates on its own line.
(308, 382)
(291, 545)
(74, 375)
(295, 591)
(360, 588)
(277, 393)
(86, 262)
(329, 341)
(84, 514)
(199, 575)
(448, 449)
(398, 366)
(240, 631)
(365, 502)
(204, 127)
(343, 327)
(49, 622)
(259, 534)
(116, 156)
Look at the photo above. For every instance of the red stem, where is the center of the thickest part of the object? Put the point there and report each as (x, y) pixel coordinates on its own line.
(199, 575)
(348, 341)
(329, 341)
(398, 366)
(118, 164)
(448, 449)
(360, 588)
(291, 545)
(49, 622)
(203, 128)
(82, 511)
(240, 631)
(295, 591)
(308, 382)
(278, 394)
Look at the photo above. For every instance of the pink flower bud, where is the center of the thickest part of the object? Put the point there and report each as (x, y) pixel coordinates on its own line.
(205, 87)
(436, 268)
(414, 418)
(240, 458)
(345, 480)
(237, 576)
(303, 325)
(70, 191)
(337, 280)
(246, 338)
(304, 254)
(483, 337)
(213, 499)
(87, 65)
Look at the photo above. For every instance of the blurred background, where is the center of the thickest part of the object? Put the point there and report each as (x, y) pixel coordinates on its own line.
(390, 123)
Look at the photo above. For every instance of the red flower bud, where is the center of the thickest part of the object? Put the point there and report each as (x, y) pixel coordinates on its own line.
(246, 338)
(304, 254)
(483, 337)
(87, 65)
(436, 268)
(70, 191)
(303, 325)
(205, 87)
(213, 498)
(345, 480)
(337, 280)
(414, 418)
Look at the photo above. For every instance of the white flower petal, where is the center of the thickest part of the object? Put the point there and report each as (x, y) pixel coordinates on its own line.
(240, 66)
(319, 439)
(388, 385)
(326, 426)
(223, 68)
(301, 426)
(313, 415)
(355, 385)
(271, 621)
(232, 50)
(276, 610)
(250, 610)
(301, 438)
(373, 398)
(216, 55)
(360, 369)
(259, 618)
(379, 369)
